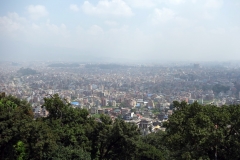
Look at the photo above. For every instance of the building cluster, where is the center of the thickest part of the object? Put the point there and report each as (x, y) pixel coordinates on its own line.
(139, 94)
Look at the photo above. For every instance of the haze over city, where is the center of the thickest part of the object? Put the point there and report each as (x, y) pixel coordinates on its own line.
(120, 30)
(120, 79)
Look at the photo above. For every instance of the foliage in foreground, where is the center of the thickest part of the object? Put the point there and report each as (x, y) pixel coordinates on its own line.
(203, 132)
(192, 132)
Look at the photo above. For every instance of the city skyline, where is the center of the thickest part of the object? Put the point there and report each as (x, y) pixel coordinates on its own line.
(120, 30)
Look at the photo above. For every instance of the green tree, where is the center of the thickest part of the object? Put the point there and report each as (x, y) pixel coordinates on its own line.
(41, 141)
(21, 150)
(152, 147)
(203, 132)
(71, 127)
(114, 140)
(14, 116)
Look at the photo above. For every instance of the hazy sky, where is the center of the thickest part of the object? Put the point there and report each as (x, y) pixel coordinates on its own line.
(120, 30)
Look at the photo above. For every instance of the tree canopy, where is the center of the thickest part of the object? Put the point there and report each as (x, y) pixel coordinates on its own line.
(203, 132)
(194, 131)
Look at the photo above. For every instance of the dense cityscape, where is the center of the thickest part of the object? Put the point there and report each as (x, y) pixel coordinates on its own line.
(120, 80)
(140, 94)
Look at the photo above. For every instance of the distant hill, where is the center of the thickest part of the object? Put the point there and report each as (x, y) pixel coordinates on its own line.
(106, 66)
(63, 65)
(15, 64)
(27, 71)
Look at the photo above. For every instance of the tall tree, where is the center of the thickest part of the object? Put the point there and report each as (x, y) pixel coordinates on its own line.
(14, 116)
(70, 126)
(196, 131)
(114, 139)
(152, 146)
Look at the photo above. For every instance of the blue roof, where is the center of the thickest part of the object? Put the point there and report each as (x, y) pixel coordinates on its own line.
(149, 95)
(138, 105)
(75, 103)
